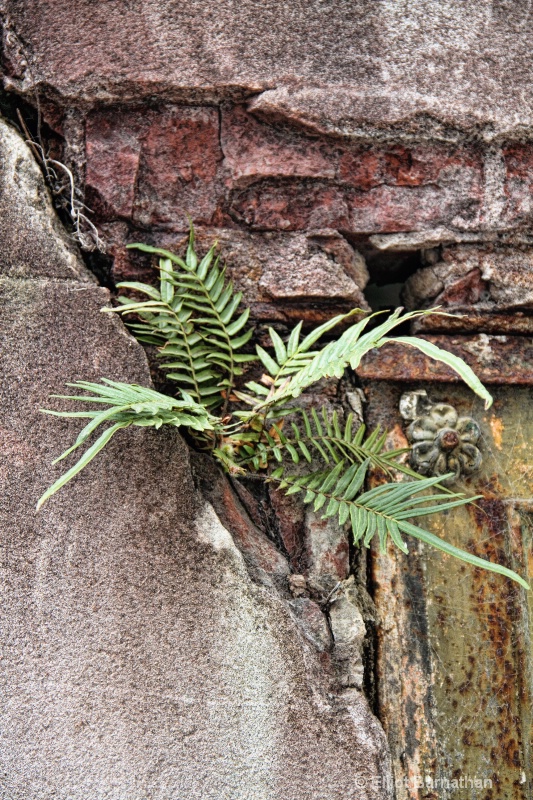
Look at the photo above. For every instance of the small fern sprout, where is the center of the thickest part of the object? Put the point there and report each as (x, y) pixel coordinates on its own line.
(202, 334)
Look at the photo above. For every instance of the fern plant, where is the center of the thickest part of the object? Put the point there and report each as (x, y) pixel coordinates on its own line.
(202, 334)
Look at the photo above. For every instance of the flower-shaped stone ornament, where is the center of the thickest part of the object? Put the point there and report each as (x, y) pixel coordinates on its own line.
(443, 442)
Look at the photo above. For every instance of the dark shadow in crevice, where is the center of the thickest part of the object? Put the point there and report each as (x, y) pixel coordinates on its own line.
(388, 274)
(101, 266)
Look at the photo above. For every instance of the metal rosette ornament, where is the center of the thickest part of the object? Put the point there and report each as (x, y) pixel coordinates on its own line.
(443, 442)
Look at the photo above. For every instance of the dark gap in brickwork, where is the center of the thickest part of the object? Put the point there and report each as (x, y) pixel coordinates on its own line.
(388, 274)
(11, 103)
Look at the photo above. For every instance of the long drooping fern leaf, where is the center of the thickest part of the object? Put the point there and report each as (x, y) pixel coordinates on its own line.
(384, 510)
(128, 404)
(349, 349)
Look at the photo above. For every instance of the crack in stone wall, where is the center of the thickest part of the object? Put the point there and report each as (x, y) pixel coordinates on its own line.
(145, 654)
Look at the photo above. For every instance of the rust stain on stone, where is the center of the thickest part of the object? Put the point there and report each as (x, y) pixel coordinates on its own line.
(467, 320)
(496, 427)
(494, 603)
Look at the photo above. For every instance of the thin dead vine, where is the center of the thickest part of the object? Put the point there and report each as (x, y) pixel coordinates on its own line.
(64, 190)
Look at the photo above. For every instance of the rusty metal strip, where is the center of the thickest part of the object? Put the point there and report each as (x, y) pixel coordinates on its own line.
(455, 666)
(469, 321)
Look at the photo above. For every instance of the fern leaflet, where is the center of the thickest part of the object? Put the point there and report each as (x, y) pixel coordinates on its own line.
(350, 348)
(289, 359)
(384, 510)
(321, 435)
(128, 404)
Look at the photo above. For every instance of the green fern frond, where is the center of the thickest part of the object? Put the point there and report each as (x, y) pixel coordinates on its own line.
(193, 318)
(289, 358)
(384, 510)
(169, 326)
(354, 343)
(128, 404)
(320, 434)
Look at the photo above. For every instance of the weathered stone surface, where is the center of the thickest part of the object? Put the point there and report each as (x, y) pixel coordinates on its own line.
(428, 70)
(113, 148)
(518, 187)
(302, 271)
(427, 239)
(33, 240)
(140, 660)
(328, 552)
(254, 150)
(317, 548)
(341, 251)
(282, 276)
(348, 630)
(452, 199)
(259, 553)
(312, 622)
(291, 526)
(155, 167)
(296, 205)
(367, 168)
(178, 168)
(354, 124)
(475, 278)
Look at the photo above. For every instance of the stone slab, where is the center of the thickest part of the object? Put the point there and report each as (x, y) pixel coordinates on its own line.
(471, 279)
(33, 240)
(158, 166)
(427, 70)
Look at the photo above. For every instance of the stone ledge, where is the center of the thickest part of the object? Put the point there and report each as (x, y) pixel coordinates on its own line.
(495, 360)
